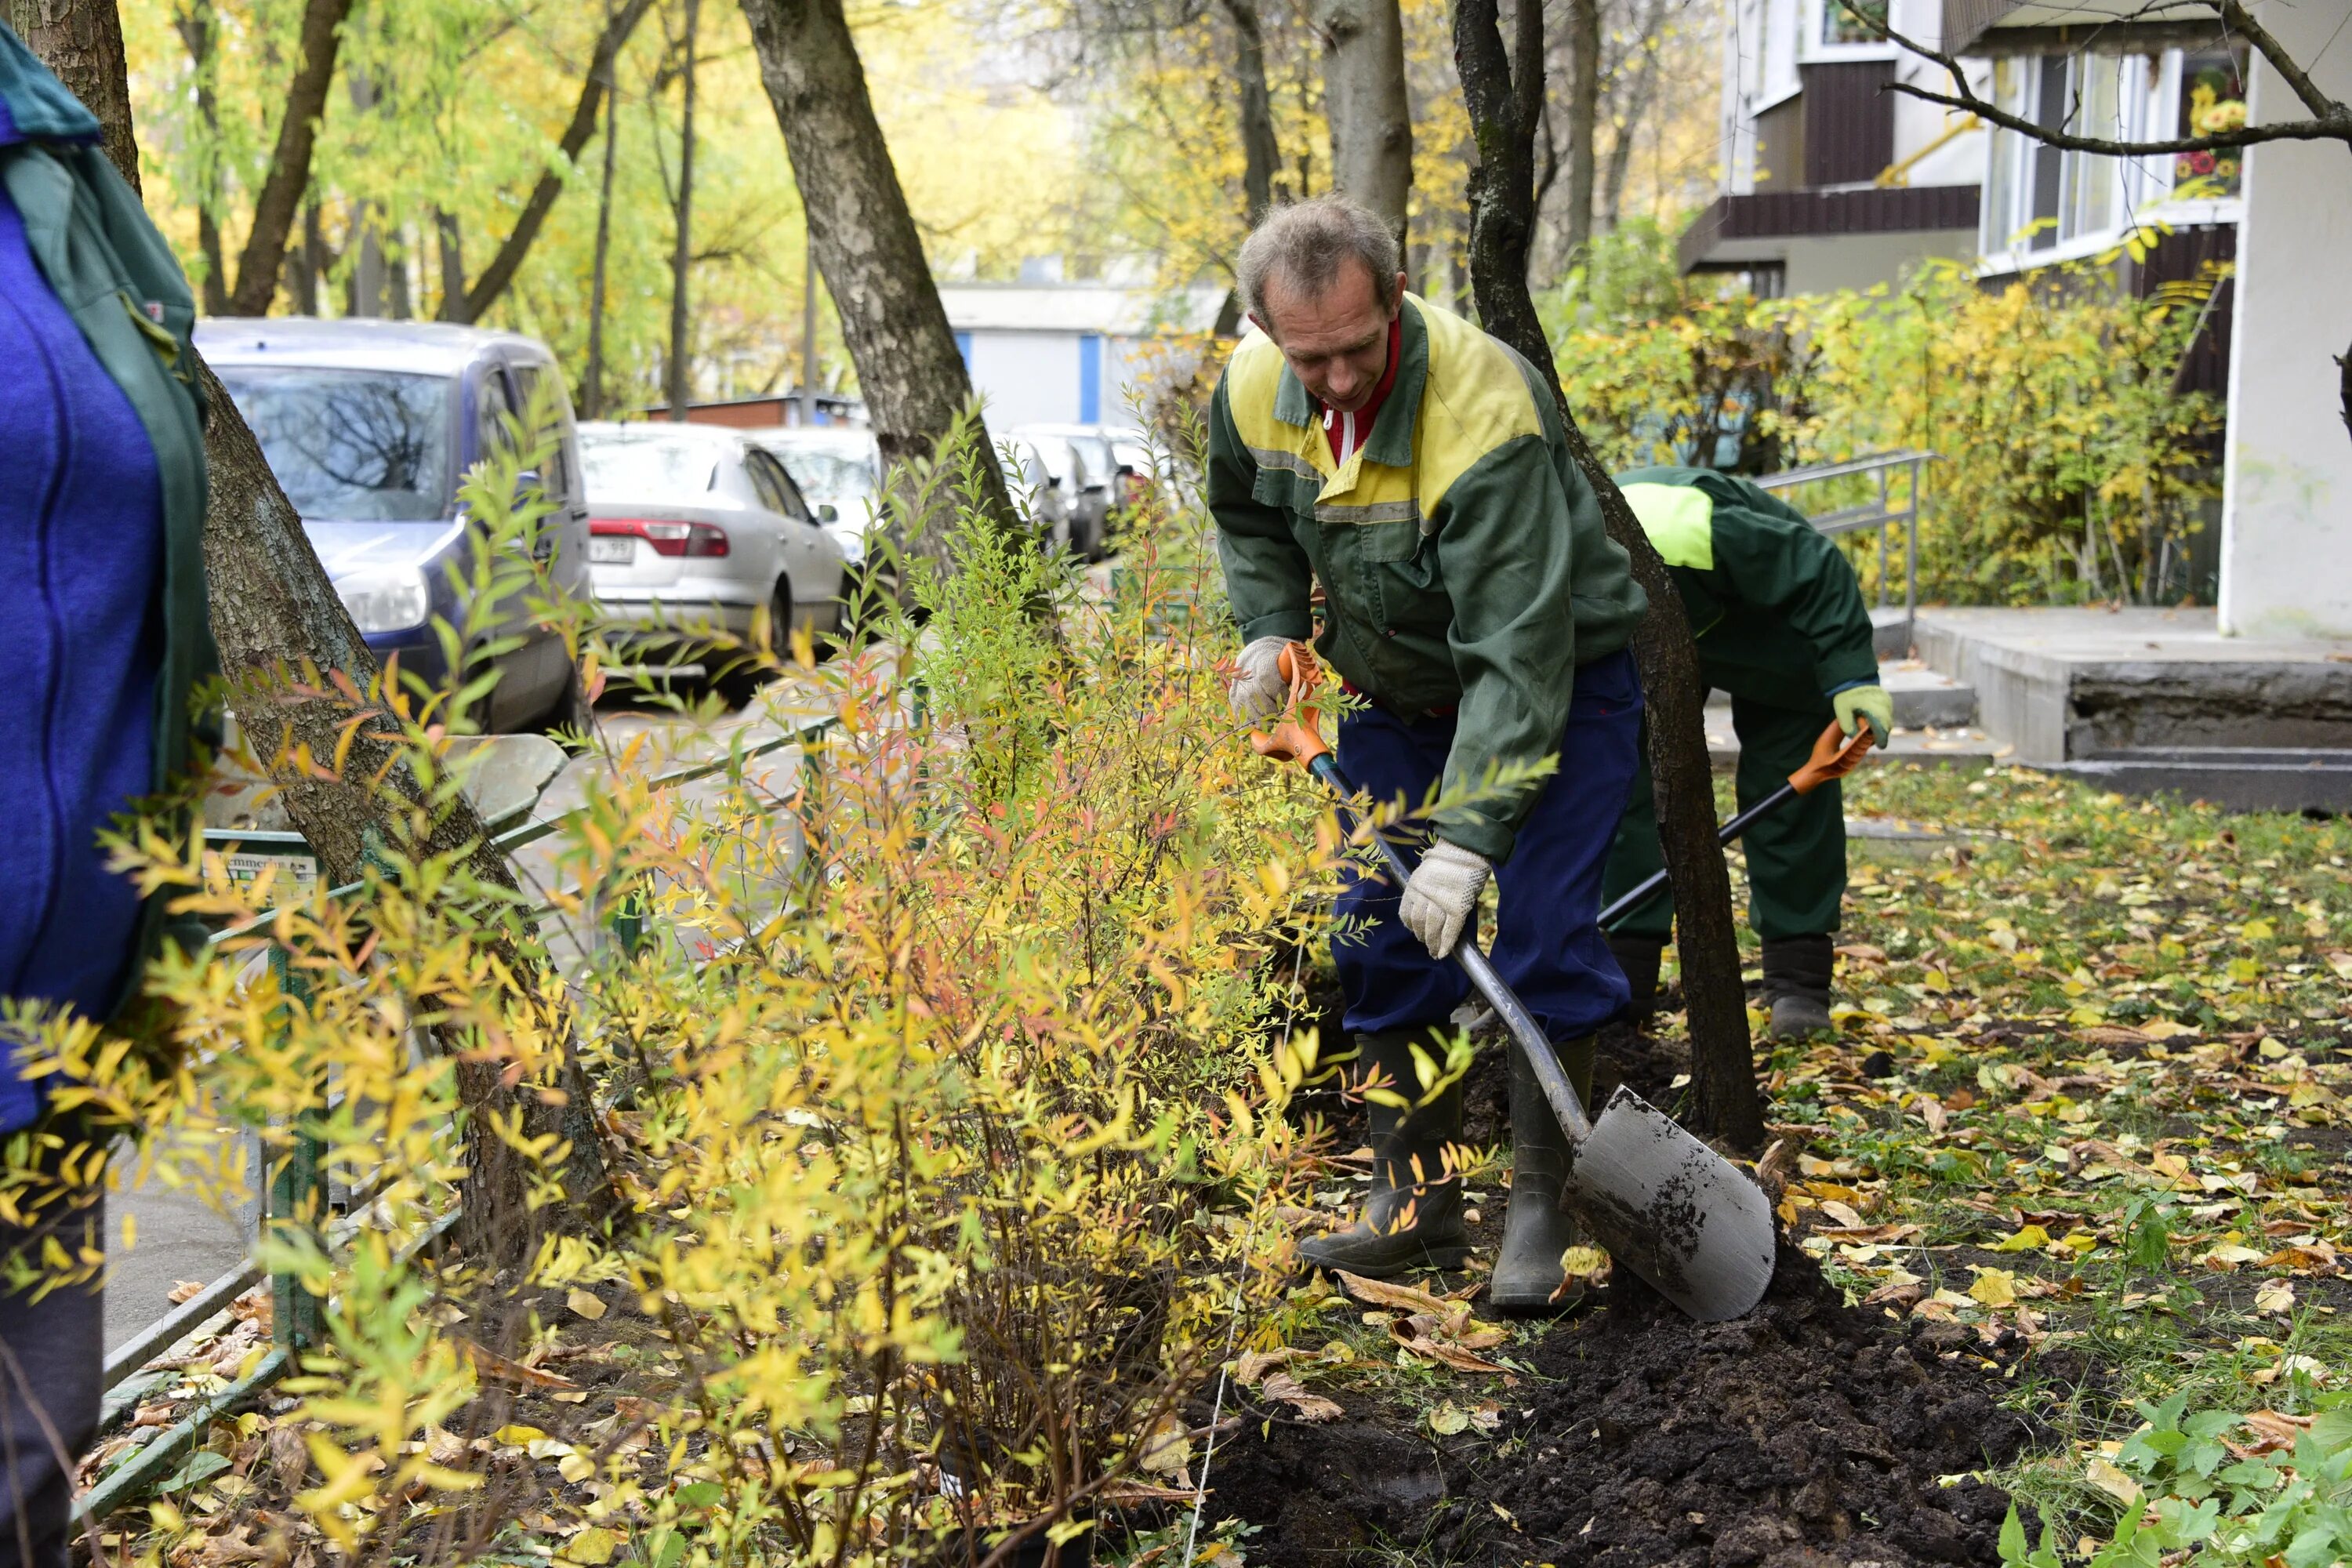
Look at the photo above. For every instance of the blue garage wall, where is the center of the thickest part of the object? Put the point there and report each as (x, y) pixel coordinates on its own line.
(1090, 368)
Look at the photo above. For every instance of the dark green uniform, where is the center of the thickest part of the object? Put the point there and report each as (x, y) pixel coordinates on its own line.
(1780, 625)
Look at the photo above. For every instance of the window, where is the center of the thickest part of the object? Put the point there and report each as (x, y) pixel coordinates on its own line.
(2213, 99)
(1853, 21)
(533, 382)
(492, 401)
(351, 445)
(2038, 198)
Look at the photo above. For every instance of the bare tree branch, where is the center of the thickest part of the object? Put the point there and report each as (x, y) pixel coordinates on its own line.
(2333, 122)
(519, 240)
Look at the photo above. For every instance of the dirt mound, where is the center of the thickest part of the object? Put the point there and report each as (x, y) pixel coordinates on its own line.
(1806, 1434)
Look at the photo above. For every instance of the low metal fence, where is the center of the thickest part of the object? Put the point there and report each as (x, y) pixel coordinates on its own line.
(298, 1187)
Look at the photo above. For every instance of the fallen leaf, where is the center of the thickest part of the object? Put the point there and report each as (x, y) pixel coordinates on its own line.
(1448, 1419)
(1168, 1451)
(2103, 1474)
(1994, 1288)
(581, 1302)
(499, 1369)
(183, 1290)
(2028, 1238)
(1380, 1293)
(1254, 1364)
(2275, 1296)
(1291, 1392)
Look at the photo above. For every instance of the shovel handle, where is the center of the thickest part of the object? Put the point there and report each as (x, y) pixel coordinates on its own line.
(1299, 738)
(1835, 755)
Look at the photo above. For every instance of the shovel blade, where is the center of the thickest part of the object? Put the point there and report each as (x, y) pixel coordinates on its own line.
(1685, 1219)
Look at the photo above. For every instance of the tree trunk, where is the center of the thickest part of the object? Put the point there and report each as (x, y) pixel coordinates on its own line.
(450, 238)
(1503, 116)
(592, 384)
(1364, 98)
(1261, 149)
(273, 613)
(81, 41)
(196, 28)
(283, 188)
(500, 272)
(913, 378)
(1583, 116)
(678, 382)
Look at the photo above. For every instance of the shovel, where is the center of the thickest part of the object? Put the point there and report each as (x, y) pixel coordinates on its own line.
(1835, 755)
(1665, 1205)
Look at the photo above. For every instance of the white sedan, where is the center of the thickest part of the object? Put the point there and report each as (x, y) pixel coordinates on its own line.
(692, 528)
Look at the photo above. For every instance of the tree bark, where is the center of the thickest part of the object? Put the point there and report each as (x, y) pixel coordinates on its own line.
(194, 25)
(1583, 115)
(450, 236)
(1503, 118)
(592, 384)
(866, 246)
(1261, 148)
(501, 271)
(678, 380)
(81, 41)
(1364, 98)
(277, 619)
(289, 180)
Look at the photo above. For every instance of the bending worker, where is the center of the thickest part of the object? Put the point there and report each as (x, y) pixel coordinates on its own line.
(1414, 467)
(1781, 627)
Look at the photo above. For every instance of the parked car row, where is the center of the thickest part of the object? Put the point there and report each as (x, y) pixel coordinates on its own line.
(371, 427)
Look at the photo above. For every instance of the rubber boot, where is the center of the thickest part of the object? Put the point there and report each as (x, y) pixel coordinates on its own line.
(1527, 1274)
(1412, 1218)
(1797, 971)
(1638, 957)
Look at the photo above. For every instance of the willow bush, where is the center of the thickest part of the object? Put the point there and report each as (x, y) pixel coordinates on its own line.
(939, 1103)
(2070, 471)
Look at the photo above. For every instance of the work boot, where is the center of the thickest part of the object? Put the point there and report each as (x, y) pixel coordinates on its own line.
(1638, 957)
(1412, 1218)
(1797, 971)
(1527, 1274)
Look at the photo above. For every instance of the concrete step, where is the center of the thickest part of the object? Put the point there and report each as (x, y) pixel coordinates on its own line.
(1959, 745)
(1925, 698)
(1890, 631)
(2236, 778)
(2073, 685)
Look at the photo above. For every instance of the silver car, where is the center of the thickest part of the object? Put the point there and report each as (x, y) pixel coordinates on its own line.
(693, 528)
(839, 468)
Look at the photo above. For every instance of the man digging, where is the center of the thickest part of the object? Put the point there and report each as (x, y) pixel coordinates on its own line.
(1414, 466)
(1781, 627)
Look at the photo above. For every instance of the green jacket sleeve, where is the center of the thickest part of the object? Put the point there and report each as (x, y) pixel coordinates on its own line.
(1770, 555)
(1510, 520)
(1268, 578)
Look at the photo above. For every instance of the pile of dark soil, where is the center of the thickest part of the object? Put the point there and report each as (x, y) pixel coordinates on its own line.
(1808, 1435)
(1805, 1435)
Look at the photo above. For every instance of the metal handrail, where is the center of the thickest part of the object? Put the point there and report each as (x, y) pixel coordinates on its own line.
(1882, 514)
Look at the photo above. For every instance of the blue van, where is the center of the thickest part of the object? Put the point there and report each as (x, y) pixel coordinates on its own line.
(370, 427)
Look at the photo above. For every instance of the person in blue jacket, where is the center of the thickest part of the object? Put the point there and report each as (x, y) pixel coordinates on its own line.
(102, 621)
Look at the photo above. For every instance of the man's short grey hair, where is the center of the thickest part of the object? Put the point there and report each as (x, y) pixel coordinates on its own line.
(1306, 244)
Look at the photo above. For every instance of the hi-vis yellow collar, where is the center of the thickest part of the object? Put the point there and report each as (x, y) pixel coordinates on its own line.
(1459, 395)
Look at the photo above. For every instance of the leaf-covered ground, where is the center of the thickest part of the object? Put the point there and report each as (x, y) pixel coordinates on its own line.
(2082, 1128)
(2081, 1125)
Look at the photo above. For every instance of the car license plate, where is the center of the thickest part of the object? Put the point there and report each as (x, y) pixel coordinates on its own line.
(612, 551)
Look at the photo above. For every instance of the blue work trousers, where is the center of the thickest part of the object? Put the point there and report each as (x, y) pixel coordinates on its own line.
(1546, 947)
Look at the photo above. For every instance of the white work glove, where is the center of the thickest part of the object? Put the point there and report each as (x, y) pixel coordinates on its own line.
(1442, 895)
(1257, 689)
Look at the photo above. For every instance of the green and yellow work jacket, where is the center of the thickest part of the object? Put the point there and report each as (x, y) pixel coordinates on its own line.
(1461, 553)
(1777, 610)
